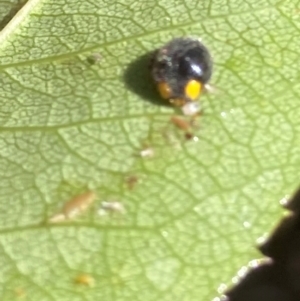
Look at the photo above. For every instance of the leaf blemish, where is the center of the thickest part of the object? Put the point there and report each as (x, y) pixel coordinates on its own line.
(74, 207)
(147, 152)
(131, 181)
(94, 58)
(185, 126)
(20, 292)
(112, 207)
(85, 279)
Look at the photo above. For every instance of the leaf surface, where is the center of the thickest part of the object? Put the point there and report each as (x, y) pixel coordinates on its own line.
(66, 126)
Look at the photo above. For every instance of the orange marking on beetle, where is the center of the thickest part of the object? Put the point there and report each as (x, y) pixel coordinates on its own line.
(178, 102)
(164, 90)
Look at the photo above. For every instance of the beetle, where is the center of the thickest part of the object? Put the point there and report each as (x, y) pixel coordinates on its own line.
(181, 70)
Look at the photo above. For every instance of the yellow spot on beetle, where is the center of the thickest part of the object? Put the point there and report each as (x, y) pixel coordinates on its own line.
(193, 89)
(164, 90)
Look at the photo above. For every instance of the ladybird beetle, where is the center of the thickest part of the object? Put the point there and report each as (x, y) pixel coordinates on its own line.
(181, 69)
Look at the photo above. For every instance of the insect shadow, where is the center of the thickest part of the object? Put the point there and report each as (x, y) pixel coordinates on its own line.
(137, 78)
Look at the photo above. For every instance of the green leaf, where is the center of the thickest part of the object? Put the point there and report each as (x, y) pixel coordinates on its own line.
(67, 125)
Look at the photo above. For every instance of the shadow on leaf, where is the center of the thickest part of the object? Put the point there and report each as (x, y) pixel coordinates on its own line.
(138, 79)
